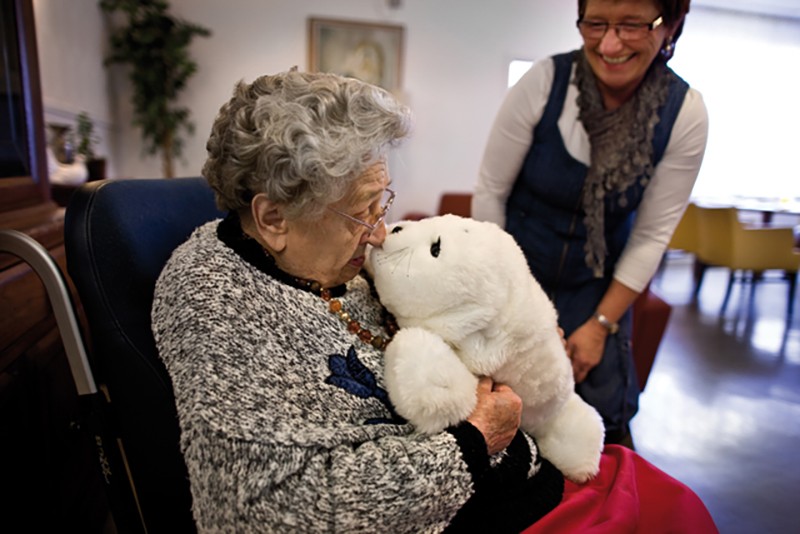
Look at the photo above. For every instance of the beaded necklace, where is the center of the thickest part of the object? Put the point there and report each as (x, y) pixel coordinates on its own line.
(336, 307)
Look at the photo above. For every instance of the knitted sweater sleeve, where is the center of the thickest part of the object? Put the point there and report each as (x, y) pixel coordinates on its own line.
(392, 484)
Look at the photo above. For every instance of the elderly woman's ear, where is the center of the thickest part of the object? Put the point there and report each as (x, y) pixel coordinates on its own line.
(268, 222)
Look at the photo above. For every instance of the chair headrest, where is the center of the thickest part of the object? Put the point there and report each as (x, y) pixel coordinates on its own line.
(119, 234)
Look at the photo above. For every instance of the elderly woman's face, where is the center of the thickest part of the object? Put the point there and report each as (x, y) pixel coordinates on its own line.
(331, 250)
(621, 62)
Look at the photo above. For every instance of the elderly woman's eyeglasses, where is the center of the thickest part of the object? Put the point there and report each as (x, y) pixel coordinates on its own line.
(386, 203)
(626, 31)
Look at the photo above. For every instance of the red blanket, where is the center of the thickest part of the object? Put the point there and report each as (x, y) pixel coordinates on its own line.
(629, 495)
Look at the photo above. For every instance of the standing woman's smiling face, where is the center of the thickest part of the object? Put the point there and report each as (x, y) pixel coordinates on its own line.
(619, 64)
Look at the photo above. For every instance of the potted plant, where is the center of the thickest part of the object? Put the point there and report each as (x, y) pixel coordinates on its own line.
(96, 167)
(155, 45)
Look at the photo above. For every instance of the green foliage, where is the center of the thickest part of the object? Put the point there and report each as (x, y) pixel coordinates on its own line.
(155, 45)
(86, 137)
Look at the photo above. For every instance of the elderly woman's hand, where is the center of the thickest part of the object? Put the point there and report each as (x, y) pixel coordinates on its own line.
(497, 414)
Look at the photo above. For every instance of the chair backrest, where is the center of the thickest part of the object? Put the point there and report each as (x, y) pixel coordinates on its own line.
(685, 236)
(725, 241)
(715, 229)
(456, 203)
(118, 236)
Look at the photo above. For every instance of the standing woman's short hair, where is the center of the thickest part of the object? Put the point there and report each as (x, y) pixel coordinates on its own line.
(673, 11)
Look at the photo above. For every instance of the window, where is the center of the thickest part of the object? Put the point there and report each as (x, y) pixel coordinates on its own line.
(746, 68)
(516, 69)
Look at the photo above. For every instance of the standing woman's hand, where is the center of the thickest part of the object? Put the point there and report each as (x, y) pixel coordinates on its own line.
(585, 348)
(497, 414)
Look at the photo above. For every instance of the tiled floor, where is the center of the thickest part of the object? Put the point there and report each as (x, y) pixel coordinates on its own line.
(721, 411)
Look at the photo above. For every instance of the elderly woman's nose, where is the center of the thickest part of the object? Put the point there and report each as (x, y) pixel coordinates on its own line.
(377, 237)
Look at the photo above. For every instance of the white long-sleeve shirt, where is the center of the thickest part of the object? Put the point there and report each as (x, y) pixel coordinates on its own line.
(664, 199)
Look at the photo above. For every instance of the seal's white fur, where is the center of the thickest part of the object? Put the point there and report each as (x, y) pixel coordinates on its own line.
(468, 306)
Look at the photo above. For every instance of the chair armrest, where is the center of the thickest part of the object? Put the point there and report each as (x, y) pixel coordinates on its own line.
(650, 317)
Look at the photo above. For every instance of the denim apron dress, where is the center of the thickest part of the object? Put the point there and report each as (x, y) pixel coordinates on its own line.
(545, 215)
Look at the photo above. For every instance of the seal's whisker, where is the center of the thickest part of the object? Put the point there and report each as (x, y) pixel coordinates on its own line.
(398, 256)
(409, 257)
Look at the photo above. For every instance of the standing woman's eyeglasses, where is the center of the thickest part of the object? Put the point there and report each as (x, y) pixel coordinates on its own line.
(626, 31)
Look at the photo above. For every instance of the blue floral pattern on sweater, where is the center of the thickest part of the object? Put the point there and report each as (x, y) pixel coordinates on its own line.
(354, 377)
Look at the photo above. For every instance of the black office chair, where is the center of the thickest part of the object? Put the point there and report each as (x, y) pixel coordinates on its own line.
(118, 236)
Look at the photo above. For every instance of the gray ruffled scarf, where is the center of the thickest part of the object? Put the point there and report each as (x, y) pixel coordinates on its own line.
(621, 146)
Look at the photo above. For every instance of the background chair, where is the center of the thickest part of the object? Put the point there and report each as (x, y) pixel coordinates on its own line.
(685, 235)
(723, 241)
(118, 236)
(686, 238)
(650, 312)
(455, 203)
(650, 317)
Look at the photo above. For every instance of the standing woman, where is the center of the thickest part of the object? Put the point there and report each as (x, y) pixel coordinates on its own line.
(589, 165)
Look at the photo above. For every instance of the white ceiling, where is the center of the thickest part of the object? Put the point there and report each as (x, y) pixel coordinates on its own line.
(781, 8)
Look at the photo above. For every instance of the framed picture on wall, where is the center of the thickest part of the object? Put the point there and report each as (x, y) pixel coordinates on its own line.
(370, 52)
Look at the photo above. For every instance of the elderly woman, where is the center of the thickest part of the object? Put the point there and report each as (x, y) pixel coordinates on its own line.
(273, 338)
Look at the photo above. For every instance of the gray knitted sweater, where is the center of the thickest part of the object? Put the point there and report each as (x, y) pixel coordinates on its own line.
(285, 425)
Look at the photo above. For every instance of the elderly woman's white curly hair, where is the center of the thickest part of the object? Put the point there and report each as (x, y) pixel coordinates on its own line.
(300, 138)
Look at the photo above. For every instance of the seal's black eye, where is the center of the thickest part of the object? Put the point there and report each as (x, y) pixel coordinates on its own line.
(397, 229)
(436, 247)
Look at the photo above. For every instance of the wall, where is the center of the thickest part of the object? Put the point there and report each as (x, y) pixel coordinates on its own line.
(71, 38)
(777, 8)
(456, 56)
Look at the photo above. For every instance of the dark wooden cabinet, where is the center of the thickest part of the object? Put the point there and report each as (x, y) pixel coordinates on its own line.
(49, 475)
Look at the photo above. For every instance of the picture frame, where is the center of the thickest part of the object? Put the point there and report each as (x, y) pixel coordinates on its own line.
(368, 51)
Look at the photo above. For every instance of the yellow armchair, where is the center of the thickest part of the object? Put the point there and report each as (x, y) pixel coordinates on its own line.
(723, 241)
(685, 235)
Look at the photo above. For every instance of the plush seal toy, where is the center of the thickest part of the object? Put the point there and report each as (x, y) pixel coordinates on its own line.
(468, 306)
